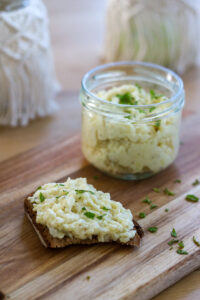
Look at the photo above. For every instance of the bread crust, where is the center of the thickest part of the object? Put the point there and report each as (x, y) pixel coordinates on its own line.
(51, 242)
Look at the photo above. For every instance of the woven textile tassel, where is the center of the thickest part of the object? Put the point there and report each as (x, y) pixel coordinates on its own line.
(28, 84)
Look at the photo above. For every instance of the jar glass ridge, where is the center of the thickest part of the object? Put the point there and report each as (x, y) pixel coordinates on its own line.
(117, 143)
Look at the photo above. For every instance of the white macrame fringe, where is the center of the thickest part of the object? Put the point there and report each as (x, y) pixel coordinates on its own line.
(28, 85)
(161, 31)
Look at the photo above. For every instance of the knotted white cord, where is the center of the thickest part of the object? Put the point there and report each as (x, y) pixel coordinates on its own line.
(28, 84)
(165, 32)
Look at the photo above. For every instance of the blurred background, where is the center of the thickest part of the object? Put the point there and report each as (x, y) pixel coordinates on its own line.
(87, 33)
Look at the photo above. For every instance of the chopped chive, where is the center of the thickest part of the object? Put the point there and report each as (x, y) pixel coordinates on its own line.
(61, 184)
(101, 217)
(152, 229)
(181, 245)
(65, 192)
(147, 200)
(42, 198)
(172, 242)
(196, 182)
(88, 277)
(138, 86)
(166, 209)
(141, 111)
(89, 215)
(157, 190)
(126, 98)
(177, 181)
(39, 188)
(168, 192)
(196, 241)
(142, 215)
(105, 208)
(157, 124)
(152, 108)
(192, 198)
(128, 117)
(153, 206)
(182, 252)
(173, 233)
(58, 197)
(83, 208)
(95, 177)
(84, 191)
(154, 95)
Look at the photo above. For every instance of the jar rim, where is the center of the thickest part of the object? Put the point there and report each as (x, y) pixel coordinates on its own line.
(171, 100)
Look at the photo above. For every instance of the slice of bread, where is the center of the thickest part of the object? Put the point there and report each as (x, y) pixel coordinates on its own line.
(51, 242)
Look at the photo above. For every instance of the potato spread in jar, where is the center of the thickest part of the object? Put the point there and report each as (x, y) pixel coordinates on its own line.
(131, 132)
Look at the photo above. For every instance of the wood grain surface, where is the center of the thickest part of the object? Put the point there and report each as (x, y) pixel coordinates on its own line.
(77, 34)
(29, 271)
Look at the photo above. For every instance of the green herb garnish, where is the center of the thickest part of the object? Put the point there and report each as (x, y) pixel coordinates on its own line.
(172, 242)
(181, 245)
(177, 181)
(126, 98)
(153, 206)
(95, 177)
(157, 190)
(84, 191)
(141, 111)
(88, 277)
(61, 184)
(173, 233)
(182, 252)
(83, 208)
(154, 95)
(105, 208)
(138, 86)
(58, 197)
(196, 241)
(196, 182)
(142, 215)
(192, 198)
(101, 217)
(128, 117)
(166, 209)
(42, 198)
(168, 192)
(152, 229)
(147, 200)
(157, 124)
(39, 188)
(89, 215)
(65, 192)
(152, 108)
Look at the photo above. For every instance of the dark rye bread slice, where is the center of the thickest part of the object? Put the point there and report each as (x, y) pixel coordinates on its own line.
(51, 242)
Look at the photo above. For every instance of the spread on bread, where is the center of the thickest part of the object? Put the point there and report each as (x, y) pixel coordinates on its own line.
(75, 209)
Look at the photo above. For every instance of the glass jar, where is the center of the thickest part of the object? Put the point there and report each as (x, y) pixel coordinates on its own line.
(118, 140)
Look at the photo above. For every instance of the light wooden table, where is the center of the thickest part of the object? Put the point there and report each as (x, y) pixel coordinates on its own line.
(77, 34)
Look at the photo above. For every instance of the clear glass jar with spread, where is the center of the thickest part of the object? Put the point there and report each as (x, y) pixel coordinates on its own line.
(131, 114)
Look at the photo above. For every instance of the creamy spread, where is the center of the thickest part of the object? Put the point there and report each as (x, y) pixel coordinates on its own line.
(130, 146)
(77, 210)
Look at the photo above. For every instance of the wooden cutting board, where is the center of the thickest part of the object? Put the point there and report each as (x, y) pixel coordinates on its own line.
(29, 271)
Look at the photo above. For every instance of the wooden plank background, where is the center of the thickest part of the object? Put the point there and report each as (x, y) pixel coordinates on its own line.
(77, 34)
